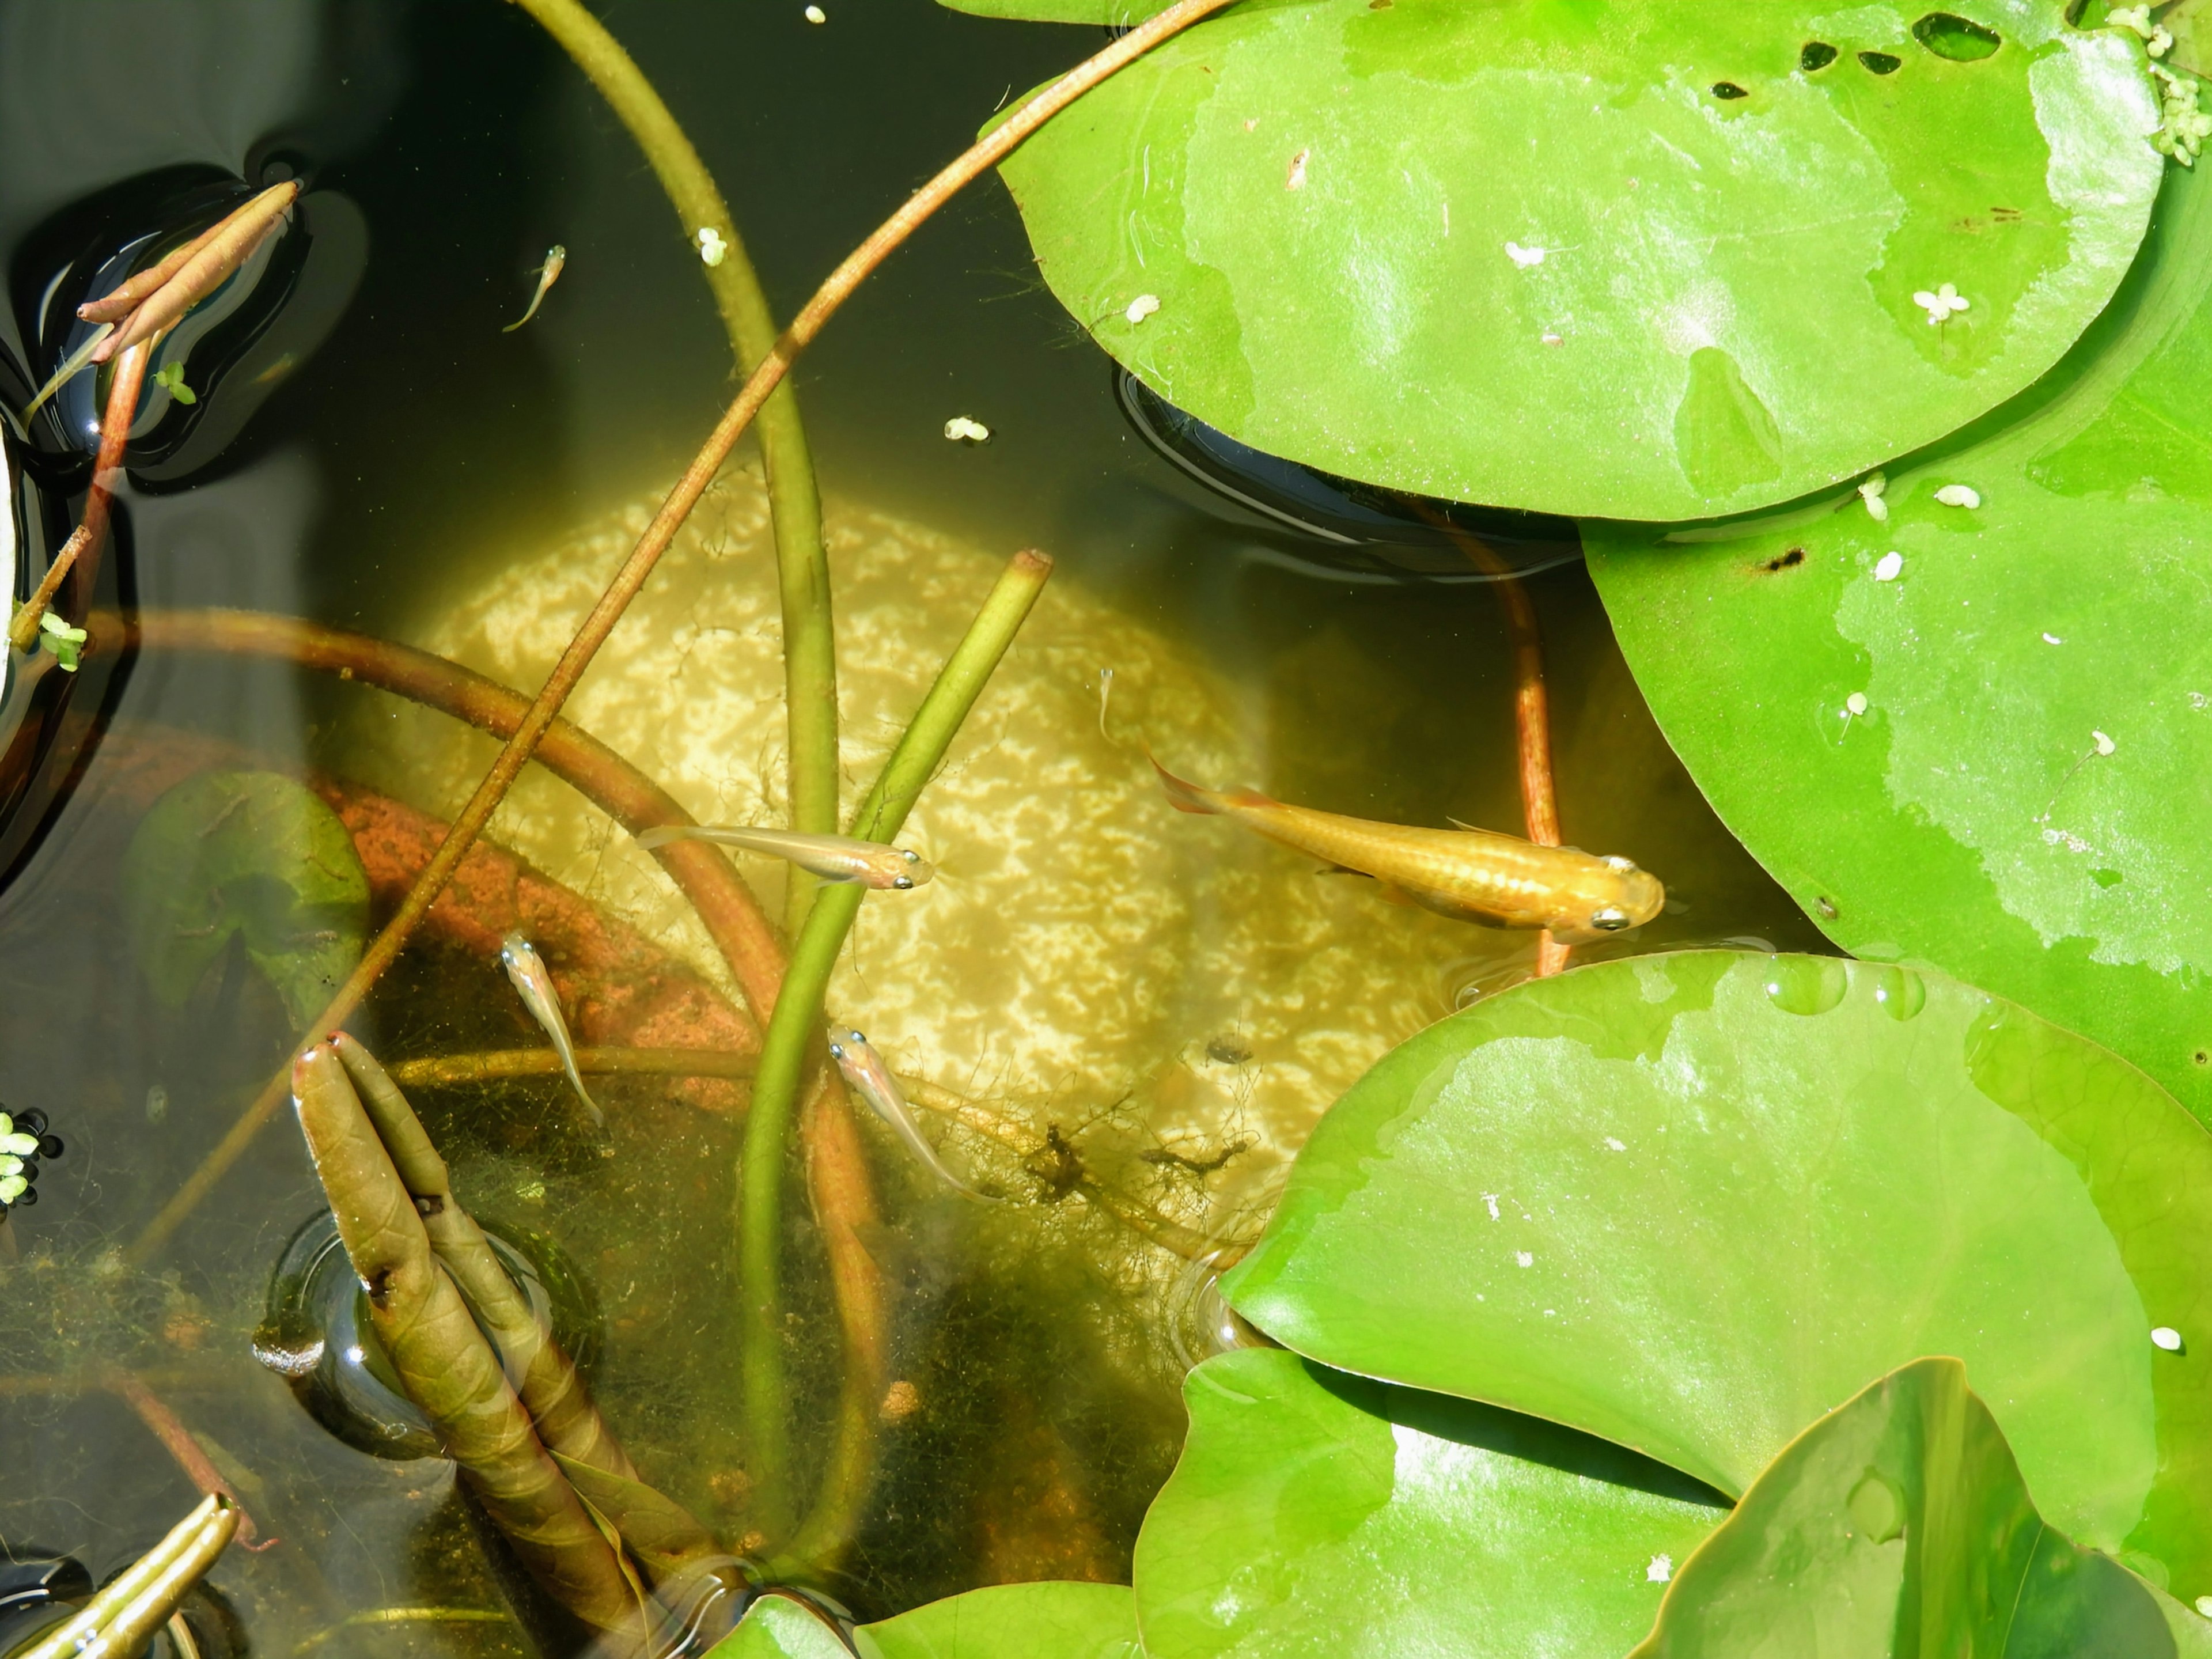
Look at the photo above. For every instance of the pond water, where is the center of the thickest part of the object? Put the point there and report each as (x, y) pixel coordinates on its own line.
(1125, 1019)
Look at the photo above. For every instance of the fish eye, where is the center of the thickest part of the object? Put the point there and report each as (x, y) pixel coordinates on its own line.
(903, 883)
(1618, 865)
(1610, 920)
(911, 858)
(836, 1049)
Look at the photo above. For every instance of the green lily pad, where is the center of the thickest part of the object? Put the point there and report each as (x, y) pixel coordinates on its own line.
(248, 854)
(1316, 1514)
(1969, 818)
(1692, 1203)
(1897, 1525)
(1013, 1621)
(777, 1628)
(1648, 262)
(1062, 11)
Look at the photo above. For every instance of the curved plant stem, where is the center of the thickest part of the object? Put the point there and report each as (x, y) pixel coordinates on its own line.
(123, 388)
(1531, 715)
(810, 656)
(600, 622)
(169, 1429)
(793, 1041)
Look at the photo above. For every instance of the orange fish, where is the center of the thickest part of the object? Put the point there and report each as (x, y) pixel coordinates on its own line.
(1470, 875)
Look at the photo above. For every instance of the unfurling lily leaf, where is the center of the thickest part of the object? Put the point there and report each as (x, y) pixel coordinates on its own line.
(253, 854)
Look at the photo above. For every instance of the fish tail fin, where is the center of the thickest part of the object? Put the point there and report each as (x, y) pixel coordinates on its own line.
(1187, 797)
(576, 1082)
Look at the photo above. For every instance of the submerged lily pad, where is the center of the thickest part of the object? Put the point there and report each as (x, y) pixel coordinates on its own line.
(1898, 1524)
(777, 1628)
(1692, 1203)
(1320, 1515)
(1013, 1621)
(253, 855)
(2025, 799)
(1648, 261)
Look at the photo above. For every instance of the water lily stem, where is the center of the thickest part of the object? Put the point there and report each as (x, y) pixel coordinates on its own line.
(600, 622)
(793, 1046)
(809, 658)
(123, 388)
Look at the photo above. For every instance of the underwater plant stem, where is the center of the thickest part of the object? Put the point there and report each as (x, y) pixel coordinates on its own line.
(501, 1065)
(123, 388)
(1532, 711)
(793, 1044)
(809, 658)
(600, 622)
(732, 916)
(169, 1429)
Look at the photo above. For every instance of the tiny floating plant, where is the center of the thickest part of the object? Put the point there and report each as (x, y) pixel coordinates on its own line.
(23, 1142)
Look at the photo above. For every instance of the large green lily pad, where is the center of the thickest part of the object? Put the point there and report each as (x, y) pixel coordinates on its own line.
(1013, 1621)
(1968, 818)
(1647, 261)
(1692, 1203)
(250, 853)
(1320, 1515)
(1899, 1525)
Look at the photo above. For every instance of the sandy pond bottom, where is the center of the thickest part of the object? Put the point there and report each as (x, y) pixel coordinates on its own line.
(1084, 949)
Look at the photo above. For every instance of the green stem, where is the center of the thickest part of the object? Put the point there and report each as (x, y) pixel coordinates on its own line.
(810, 662)
(792, 1049)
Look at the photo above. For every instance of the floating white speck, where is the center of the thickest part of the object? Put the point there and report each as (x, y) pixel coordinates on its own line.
(1660, 1569)
(1959, 496)
(962, 430)
(2104, 744)
(2165, 1337)
(1857, 702)
(1890, 563)
(1943, 304)
(1524, 256)
(816, 15)
(1870, 493)
(712, 250)
(1491, 1198)
(1617, 1145)
(1554, 339)
(2204, 1606)
(2053, 638)
(1296, 178)
(1142, 306)
(1524, 1258)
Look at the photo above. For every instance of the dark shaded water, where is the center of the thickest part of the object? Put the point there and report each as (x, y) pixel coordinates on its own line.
(404, 465)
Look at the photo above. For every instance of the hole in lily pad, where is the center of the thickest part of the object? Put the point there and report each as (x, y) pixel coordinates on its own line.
(1816, 56)
(1728, 89)
(1881, 63)
(1959, 39)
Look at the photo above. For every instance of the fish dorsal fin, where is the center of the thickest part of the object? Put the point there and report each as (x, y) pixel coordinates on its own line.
(1457, 824)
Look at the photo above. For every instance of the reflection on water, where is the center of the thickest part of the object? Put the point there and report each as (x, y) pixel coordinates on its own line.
(1125, 1019)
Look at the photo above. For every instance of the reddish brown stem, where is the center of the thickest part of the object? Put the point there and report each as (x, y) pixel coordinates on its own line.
(169, 1429)
(600, 621)
(84, 542)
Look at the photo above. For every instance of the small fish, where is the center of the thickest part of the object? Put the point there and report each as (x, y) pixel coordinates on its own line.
(548, 274)
(1471, 875)
(533, 983)
(1105, 696)
(871, 1080)
(833, 858)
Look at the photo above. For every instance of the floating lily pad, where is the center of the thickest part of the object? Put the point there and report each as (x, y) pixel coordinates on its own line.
(1062, 11)
(1900, 1524)
(250, 854)
(2024, 801)
(1320, 1515)
(777, 1628)
(1648, 261)
(1692, 1203)
(1013, 1621)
